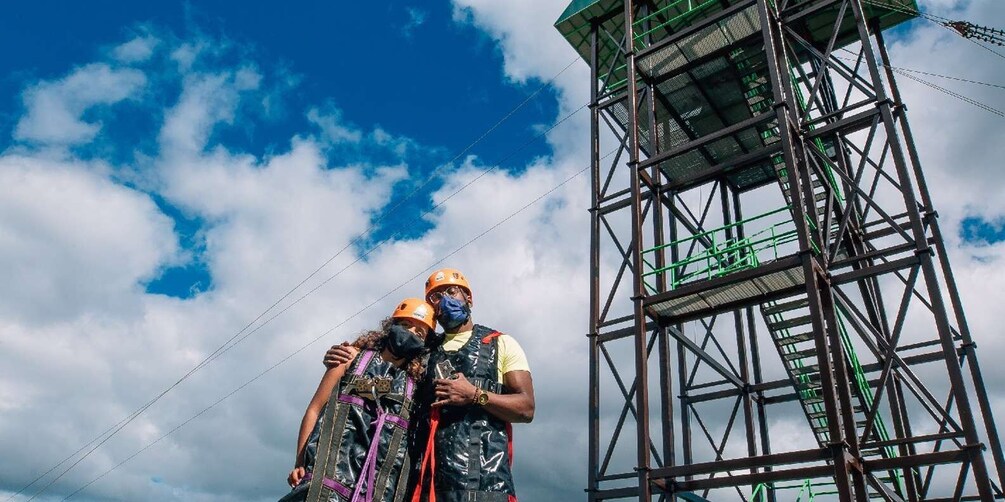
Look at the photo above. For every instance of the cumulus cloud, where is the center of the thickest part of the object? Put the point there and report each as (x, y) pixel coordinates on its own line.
(332, 127)
(207, 99)
(74, 242)
(53, 109)
(136, 50)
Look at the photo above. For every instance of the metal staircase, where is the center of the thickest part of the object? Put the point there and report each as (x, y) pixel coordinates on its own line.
(789, 325)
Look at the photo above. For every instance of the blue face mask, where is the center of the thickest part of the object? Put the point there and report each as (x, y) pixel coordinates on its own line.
(452, 312)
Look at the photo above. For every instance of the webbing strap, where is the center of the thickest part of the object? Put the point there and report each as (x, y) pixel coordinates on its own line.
(509, 442)
(364, 360)
(490, 336)
(329, 483)
(474, 456)
(351, 399)
(333, 420)
(428, 461)
(329, 442)
(369, 469)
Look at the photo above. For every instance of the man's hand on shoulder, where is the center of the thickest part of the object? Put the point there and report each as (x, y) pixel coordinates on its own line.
(339, 354)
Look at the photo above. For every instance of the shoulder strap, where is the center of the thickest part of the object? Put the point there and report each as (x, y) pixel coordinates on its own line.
(489, 337)
(363, 362)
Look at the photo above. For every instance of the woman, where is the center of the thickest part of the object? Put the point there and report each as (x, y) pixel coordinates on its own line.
(353, 442)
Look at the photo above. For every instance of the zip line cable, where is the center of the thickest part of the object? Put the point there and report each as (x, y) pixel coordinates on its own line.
(357, 240)
(971, 101)
(959, 79)
(340, 324)
(399, 232)
(969, 31)
(956, 95)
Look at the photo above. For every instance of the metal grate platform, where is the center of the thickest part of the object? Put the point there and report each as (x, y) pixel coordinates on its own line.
(771, 280)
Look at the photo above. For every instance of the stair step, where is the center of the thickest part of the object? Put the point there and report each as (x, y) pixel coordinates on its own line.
(790, 323)
(812, 385)
(806, 370)
(794, 339)
(809, 401)
(816, 415)
(800, 354)
(785, 182)
(777, 308)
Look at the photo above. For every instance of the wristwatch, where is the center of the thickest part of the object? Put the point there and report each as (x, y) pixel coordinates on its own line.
(481, 397)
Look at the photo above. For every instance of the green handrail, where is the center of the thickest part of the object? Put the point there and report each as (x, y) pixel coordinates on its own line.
(723, 255)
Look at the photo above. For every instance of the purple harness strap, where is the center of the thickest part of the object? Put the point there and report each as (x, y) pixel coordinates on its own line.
(351, 399)
(369, 468)
(363, 362)
(330, 484)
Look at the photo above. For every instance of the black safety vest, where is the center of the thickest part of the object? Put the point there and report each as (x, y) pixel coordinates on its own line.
(472, 446)
(361, 437)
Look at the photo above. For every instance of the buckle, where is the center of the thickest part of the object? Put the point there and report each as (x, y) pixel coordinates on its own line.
(371, 388)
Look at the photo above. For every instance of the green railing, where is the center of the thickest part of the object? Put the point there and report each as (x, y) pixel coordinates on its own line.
(865, 390)
(861, 383)
(688, 10)
(808, 490)
(723, 254)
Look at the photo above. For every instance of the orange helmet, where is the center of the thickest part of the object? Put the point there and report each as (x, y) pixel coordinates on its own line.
(415, 308)
(447, 277)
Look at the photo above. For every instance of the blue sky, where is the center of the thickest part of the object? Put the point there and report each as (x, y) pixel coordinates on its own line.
(410, 70)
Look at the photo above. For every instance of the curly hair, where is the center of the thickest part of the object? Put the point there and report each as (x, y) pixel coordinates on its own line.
(374, 340)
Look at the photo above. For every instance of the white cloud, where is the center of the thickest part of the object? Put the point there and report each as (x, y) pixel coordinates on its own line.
(54, 109)
(72, 242)
(332, 127)
(416, 18)
(136, 50)
(207, 99)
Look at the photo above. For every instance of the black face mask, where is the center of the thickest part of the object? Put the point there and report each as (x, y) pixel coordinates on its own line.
(402, 343)
(434, 339)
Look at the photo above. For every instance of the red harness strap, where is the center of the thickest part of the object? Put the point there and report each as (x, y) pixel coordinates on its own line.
(509, 427)
(428, 461)
(488, 338)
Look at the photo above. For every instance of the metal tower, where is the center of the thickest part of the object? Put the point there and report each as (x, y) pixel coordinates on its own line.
(772, 307)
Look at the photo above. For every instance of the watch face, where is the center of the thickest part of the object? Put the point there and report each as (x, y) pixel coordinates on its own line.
(483, 398)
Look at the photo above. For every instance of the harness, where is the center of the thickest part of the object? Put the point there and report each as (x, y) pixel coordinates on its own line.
(473, 447)
(359, 423)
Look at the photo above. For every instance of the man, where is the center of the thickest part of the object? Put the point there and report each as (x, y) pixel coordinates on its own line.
(468, 447)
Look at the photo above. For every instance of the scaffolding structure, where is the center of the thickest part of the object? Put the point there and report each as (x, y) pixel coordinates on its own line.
(817, 349)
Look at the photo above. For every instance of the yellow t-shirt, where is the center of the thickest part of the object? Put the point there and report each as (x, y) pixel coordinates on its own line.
(511, 355)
